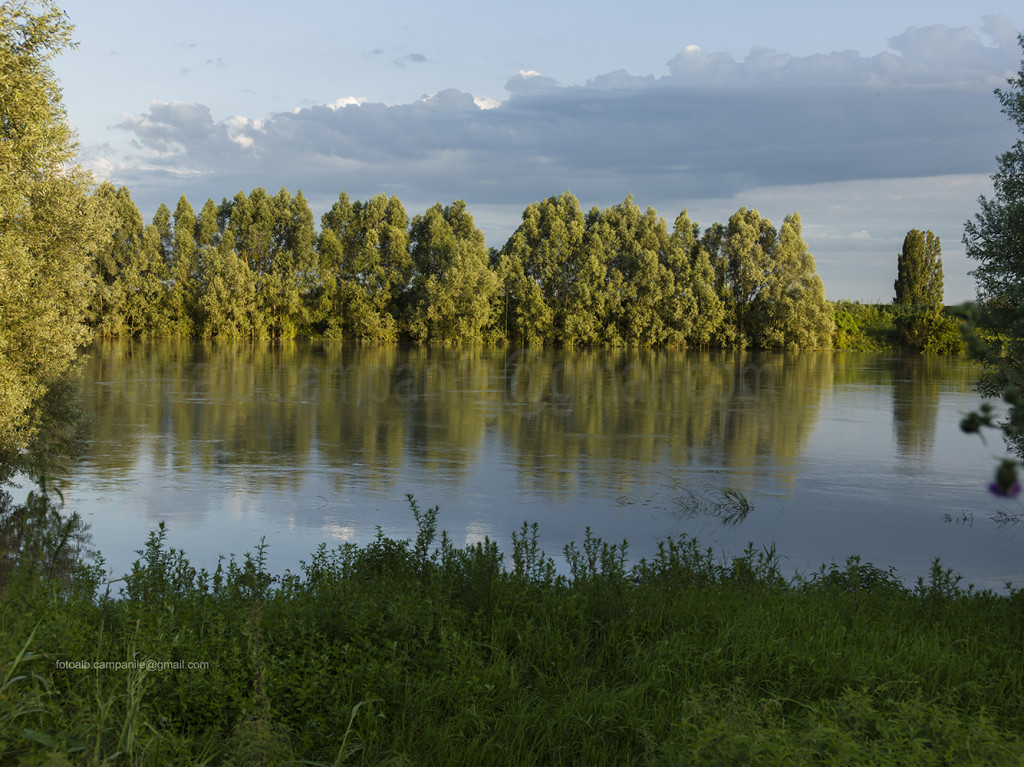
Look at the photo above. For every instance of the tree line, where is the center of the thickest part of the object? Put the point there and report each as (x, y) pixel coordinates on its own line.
(256, 266)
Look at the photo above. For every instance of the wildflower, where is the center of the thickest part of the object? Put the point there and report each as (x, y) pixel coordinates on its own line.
(1006, 484)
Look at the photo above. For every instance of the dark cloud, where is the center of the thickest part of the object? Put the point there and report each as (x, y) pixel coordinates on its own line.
(174, 136)
(411, 58)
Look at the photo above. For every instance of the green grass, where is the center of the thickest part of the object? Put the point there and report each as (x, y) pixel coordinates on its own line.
(418, 652)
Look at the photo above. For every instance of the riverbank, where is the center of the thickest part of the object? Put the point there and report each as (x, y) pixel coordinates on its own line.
(419, 652)
(893, 327)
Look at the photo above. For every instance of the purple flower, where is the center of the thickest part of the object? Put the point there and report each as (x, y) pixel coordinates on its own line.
(1010, 492)
(1006, 484)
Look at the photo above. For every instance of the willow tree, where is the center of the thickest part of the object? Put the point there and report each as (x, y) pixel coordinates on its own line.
(45, 229)
(995, 236)
(452, 285)
(181, 267)
(275, 239)
(250, 224)
(143, 285)
(995, 239)
(294, 268)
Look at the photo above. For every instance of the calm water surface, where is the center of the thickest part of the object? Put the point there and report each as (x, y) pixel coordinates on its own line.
(838, 453)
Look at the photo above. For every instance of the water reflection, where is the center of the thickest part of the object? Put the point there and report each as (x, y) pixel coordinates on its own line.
(373, 410)
(310, 441)
(915, 406)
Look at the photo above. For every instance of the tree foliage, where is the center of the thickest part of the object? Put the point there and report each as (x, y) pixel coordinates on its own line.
(772, 294)
(995, 239)
(45, 215)
(551, 275)
(919, 270)
(365, 265)
(451, 292)
(255, 267)
(793, 312)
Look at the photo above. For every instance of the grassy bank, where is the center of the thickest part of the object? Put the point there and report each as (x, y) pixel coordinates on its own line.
(419, 652)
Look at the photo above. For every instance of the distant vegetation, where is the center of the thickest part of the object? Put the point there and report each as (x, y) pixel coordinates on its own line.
(891, 327)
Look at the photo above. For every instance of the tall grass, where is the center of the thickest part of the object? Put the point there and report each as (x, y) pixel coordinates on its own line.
(421, 652)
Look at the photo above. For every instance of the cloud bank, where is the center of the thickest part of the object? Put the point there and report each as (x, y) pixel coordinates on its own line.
(710, 127)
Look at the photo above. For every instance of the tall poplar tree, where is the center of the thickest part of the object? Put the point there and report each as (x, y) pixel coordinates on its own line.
(919, 270)
(181, 272)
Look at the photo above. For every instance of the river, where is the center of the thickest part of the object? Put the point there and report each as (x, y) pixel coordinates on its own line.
(837, 453)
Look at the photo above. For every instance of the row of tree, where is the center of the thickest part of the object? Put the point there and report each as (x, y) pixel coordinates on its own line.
(255, 266)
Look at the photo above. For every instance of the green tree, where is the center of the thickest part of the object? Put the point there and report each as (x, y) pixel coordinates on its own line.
(275, 239)
(747, 250)
(791, 309)
(919, 270)
(552, 277)
(162, 222)
(116, 250)
(293, 268)
(995, 239)
(142, 284)
(227, 303)
(182, 268)
(700, 304)
(45, 226)
(450, 299)
(642, 262)
(364, 257)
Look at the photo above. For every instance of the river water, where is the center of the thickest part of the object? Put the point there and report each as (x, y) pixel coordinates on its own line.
(837, 453)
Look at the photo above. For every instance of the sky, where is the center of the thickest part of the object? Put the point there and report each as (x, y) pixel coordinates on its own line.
(868, 119)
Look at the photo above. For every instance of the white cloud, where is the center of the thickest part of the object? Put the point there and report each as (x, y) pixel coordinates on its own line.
(348, 101)
(527, 82)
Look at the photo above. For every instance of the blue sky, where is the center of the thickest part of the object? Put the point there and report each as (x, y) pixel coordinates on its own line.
(868, 118)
